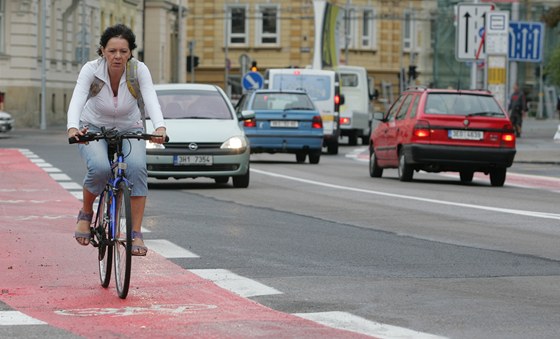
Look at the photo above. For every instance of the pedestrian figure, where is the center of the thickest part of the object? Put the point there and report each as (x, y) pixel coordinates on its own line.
(517, 108)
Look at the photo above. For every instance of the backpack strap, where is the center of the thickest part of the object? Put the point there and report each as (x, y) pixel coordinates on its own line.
(134, 86)
(96, 85)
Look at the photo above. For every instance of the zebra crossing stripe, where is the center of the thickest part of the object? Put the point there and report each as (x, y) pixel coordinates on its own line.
(11, 318)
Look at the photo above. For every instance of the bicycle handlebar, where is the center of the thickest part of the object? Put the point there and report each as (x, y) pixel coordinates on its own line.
(112, 134)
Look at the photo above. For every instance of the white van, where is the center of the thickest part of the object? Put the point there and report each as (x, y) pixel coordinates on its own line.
(323, 88)
(357, 111)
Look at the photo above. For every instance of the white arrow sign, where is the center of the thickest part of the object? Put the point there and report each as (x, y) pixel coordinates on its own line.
(470, 31)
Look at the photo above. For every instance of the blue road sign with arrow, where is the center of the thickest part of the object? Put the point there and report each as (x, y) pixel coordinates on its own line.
(526, 41)
(252, 81)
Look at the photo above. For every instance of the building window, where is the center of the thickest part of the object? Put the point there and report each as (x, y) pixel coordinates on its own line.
(350, 27)
(2, 31)
(408, 31)
(237, 25)
(267, 25)
(368, 29)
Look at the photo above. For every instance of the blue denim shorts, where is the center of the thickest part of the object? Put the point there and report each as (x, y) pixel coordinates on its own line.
(94, 154)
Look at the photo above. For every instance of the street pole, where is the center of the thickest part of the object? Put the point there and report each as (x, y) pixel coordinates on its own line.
(226, 56)
(347, 31)
(43, 63)
(180, 37)
(474, 69)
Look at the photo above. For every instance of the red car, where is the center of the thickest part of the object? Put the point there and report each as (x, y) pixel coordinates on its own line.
(436, 130)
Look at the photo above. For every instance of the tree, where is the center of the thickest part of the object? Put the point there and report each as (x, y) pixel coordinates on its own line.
(552, 68)
(552, 17)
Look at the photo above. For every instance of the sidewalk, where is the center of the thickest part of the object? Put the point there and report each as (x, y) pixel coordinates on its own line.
(537, 144)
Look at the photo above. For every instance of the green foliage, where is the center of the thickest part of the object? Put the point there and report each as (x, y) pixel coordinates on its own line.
(552, 17)
(552, 68)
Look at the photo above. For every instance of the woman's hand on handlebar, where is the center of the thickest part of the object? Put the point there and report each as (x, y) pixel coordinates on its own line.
(161, 135)
(76, 133)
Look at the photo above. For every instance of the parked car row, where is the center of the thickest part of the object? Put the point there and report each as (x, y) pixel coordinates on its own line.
(432, 130)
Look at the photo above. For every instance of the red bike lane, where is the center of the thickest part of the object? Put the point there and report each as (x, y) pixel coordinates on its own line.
(48, 276)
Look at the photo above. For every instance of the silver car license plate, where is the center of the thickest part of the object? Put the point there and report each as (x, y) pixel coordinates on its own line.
(187, 160)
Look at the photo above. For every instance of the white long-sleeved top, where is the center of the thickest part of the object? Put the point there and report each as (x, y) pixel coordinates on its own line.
(105, 110)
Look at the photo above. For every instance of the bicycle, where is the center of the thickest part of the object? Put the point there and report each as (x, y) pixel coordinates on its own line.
(111, 230)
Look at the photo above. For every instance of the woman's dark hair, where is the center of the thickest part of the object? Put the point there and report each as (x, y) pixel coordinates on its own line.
(120, 31)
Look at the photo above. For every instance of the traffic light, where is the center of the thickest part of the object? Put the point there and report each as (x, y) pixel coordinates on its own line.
(412, 72)
(254, 67)
(192, 61)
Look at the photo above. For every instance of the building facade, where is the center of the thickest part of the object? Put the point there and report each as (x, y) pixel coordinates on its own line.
(399, 42)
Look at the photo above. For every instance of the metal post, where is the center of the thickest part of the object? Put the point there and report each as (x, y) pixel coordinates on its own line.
(474, 71)
(226, 73)
(347, 30)
(43, 63)
(180, 57)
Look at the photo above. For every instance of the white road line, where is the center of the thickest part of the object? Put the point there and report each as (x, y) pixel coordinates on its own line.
(543, 215)
(71, 186)
(168, 249)
(237, 284)
(37, 161)
(78, 194)
(11, 318)
(60, 177)
(350, 322)
(43, 164)
(51, 170)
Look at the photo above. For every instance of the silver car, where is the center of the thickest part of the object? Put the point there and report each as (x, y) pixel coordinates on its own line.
(205, 136)
(6, 122)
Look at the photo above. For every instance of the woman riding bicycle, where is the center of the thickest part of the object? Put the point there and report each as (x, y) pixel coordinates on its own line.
(113, 106)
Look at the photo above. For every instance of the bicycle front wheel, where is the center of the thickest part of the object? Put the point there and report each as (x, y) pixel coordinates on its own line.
(123, 241)
(104, 247)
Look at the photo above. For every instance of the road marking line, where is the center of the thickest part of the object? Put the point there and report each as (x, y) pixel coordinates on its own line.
(543, 215)
(70, 185)
(350, 322)
(51, 169)
(237, 284)
(43, 164)
(79, 195)
(167, 249)
(38, 161)
(60, 176)
(11, 318)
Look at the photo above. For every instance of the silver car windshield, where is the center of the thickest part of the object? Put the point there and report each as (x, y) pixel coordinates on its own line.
(193, 104)
(463, 104)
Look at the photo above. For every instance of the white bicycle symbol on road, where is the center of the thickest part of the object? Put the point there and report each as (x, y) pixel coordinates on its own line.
(132, 310)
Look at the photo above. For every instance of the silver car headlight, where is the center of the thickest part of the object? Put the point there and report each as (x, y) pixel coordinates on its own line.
(234, 143)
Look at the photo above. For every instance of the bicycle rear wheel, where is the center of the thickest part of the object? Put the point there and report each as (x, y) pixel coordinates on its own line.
(104, 247)
(123, 243)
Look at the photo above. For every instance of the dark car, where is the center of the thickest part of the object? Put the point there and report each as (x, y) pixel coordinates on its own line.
(285, 122)
(438, 130)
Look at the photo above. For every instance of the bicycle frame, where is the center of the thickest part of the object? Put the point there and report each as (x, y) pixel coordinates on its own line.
(107, 234)
(118, 166)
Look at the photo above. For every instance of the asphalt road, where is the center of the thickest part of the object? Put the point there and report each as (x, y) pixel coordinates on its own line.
(433, 255)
